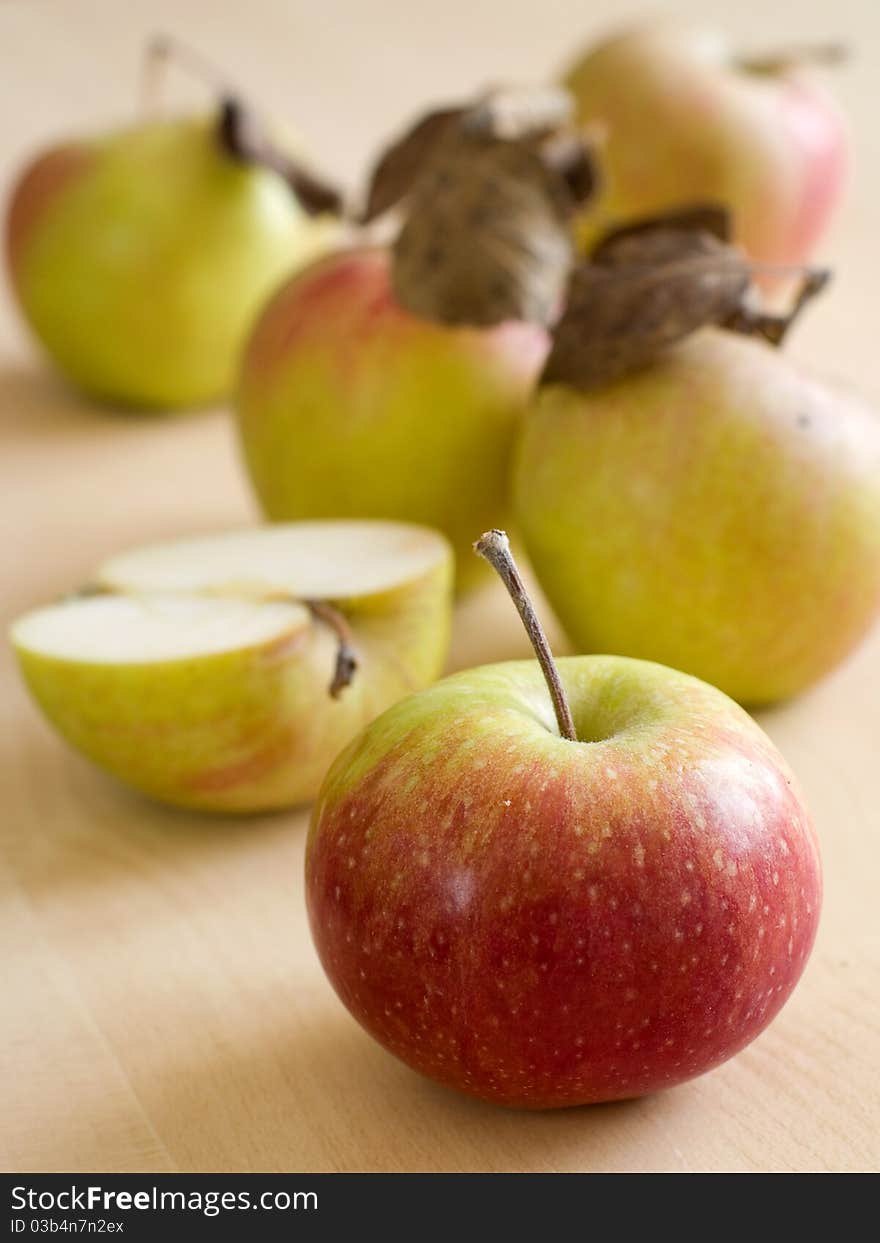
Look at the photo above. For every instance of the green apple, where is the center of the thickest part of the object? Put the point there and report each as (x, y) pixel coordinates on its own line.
(226, 672)
(140, 258)
(717, 510)
(544, 918)
(349, 405)
(686, 118)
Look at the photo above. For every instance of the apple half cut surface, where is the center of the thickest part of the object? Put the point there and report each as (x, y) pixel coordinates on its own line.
(226, 672)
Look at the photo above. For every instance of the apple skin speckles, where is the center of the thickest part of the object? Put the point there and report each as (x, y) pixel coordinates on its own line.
(563, 975)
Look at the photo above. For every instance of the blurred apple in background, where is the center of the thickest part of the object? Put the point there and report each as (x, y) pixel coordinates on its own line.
(717, 510)
(686, 118)
(226, 672)
(139, 259)
(349, 405)
(541, 920)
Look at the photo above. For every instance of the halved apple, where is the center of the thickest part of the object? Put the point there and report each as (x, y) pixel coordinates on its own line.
(226, 672)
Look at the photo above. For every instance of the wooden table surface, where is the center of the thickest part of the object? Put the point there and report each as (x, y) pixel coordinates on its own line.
(161, 1007)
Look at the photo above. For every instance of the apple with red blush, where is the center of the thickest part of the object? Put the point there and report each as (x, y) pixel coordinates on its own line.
(390, 383)
(552, 884)
(351, 406)
(688, 117)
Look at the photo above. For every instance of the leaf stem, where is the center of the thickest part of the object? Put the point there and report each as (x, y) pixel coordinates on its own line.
(785, 58)
(162, 51)
(240, 131)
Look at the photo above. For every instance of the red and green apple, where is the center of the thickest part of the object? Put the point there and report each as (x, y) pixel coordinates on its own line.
(349, 405)
(687, 118)
(544, 914)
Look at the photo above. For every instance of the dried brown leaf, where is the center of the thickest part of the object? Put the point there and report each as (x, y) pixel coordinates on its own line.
(516, 114)
(620, 316)
(244, 138)
(401, 164)
(618, 243)
(487, 238)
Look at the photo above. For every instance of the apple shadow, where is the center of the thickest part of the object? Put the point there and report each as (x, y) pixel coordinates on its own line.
(338, 1102)
(326, 1098)
(118, 839)
(122, 839)
(34, 395)
(40, 413)
(789, 719)
(248, 1091)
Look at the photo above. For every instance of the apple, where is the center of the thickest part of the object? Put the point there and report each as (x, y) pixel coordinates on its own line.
(351, 406)
(140, 258)
(717, 510)
(202, 672)
(688, 119)
(543, 919)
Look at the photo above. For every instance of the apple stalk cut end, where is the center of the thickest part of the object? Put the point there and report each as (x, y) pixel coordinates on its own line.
(782, 60)
(494, 547)
(346, 657)
(240, 131)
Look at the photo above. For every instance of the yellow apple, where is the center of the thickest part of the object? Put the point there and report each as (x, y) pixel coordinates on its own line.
(206, 672)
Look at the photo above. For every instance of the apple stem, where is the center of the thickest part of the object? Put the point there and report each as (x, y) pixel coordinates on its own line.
(161, 51)
(494, 547)
(346, 657)
(817, 276)
(86, 592)
(774, 325)
(239, 131)
(774, 63)
(243, 138)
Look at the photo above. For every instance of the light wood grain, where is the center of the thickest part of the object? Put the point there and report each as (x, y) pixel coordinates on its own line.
(162, 1008)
